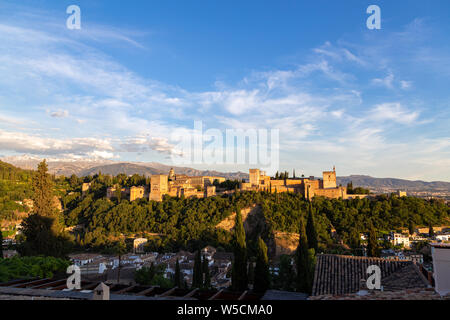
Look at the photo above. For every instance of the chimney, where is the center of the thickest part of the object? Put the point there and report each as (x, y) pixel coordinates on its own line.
(101, 292)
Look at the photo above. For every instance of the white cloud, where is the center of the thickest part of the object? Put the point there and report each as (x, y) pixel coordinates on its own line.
(394, 112)
(242, 101)
(388, 81)
(59, 114)
(34, 144)
(340, 54)
(405, 84)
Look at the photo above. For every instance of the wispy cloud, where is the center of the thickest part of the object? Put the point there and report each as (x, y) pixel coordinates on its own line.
(394, 112)
(59, 114)
(388, 81)
(35, 144)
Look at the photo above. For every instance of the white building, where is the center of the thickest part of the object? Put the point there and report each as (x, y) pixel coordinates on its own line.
(398, 239)
(84, 258)
(443, 237)
(139, 245)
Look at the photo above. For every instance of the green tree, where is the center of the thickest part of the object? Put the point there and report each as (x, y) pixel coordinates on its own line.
(73, 181)
(43, 192)
(178, 278)
(42, 230)
(197, 277)
(286, 275)
(311, 232)
(305, 262)
(118, 193)
(1, 244)
(119, 249)
(411, 227)
(354, 238)
(350, 187)
(262, 275)
(431, 231)
(251, 272)
(372, 243)
(239, 278)
(206, 274)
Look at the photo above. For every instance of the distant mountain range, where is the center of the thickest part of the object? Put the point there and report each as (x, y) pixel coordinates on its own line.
(83, 168)
(91, 167)
(379, 184)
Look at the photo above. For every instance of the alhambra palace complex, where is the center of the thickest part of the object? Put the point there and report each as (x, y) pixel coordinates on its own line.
(203, 186)
(172, 185)
(308, 187)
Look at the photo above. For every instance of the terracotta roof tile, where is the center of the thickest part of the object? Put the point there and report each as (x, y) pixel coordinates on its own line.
(340, 275)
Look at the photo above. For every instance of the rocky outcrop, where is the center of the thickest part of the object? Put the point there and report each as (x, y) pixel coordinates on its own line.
(279, 243)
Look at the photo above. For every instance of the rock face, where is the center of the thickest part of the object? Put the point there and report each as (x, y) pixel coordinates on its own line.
(254, 224)
(252, 218)
(285, 243)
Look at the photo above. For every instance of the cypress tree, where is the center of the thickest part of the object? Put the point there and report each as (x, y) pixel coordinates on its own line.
(262, 275)
(206, 275)
(350, 187)
(411, 227)
(311, 232)
(178, 275)
(372, 243)
(42, 229)
(431, 231)
(239, 277)
(251, 272)
(152, 271)
(118, 194)
(1, 244)
(120, 249)
(43, 192)
(286, 276)
(197, 277)
(305, 263)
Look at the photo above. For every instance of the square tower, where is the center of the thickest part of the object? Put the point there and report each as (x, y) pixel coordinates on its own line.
(159, 186)
(329, 179)
(136, 193)
(255, 175)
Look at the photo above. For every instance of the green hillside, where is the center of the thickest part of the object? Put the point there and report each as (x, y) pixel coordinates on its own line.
(15, 185)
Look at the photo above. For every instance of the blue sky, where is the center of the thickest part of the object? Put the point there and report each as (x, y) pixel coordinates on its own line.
(370, 102)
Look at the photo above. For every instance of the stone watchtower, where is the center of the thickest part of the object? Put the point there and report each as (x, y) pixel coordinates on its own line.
(255, 176)
(172, 175)
(159, 187)
(329, 179)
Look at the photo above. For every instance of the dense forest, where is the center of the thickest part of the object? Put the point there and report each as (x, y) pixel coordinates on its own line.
(15, 185)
